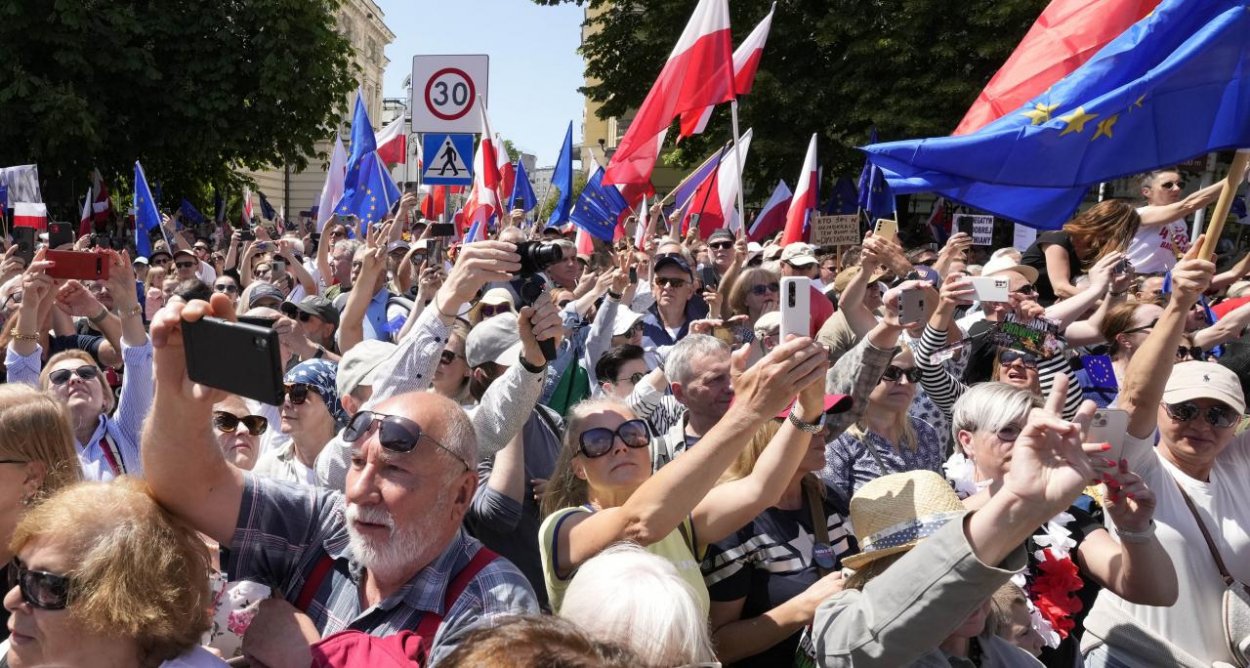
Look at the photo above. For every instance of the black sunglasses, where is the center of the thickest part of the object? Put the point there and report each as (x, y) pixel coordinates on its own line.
(1179, 185)
(492, 310)
(763, 289)
(184, 265)
(598, 442)
(1008, 356)
(1194, 353)
(1220, 417)
(40, 589)
(447, 357)
(85, 372)
(633, 329)
(1143, 328)
(228, 422)
(1026, 289)
(721, 245)
(395, 433)
(668, 282)
(296, 393)
(226, 287)
(634, 378)
(894, 374)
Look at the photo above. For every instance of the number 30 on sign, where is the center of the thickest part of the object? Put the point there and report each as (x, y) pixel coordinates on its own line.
(444, 92)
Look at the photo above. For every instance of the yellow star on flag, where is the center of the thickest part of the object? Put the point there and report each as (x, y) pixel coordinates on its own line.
(1076, 121)
(1040, 113)
(1105, 125)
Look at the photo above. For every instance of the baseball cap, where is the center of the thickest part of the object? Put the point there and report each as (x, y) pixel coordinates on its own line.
(799, 254)
(625, 318)
(673, 260)
(720, 235)
(834, 404)
(496, 339)
(359, 365)
(159, 248)
(400, 245)
(1204, 380)
(928, 274)
(313, 305)
(185, 251)
(140, 260)
(265, 291)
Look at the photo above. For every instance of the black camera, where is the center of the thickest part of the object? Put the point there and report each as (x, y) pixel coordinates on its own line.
(536, 256)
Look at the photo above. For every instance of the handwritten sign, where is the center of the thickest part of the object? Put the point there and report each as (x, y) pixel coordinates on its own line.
(980, 228)
(835, 230)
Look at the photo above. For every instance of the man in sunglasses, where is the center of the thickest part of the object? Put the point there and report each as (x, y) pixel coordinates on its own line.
(677, 304)
(1163, 233)
(187, 265)
(316, 320)
(720, 250)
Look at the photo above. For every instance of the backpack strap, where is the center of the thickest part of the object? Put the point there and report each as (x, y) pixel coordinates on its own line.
(430, 622)
(313, 582)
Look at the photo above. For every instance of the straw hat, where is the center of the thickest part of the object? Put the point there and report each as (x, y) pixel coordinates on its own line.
(895, 512)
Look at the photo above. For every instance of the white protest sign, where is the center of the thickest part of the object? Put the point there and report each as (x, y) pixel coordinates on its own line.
(835, 230)
(1024, 237)
(444, 91)
(980, 228)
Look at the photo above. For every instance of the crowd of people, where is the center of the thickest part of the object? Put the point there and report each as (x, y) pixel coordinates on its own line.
(507, 453)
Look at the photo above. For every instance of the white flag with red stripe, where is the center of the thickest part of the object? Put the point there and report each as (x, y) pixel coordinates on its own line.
(772, 218)
(247, 207)
(699, 72)
(84, 221)
(102, 205)
(640, 228)
(713, 202)
(392, 142)
(746, 63)
(483, 199)
(30, 214)
(804, 199)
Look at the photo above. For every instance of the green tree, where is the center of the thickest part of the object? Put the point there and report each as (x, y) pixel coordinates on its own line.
(832, 67)
(194, 90)
(548, 206)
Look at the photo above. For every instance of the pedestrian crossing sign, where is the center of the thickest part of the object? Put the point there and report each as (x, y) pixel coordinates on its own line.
(448, 159)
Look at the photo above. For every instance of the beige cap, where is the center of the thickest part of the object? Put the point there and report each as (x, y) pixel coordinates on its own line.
(799, 254)
(1204, 380)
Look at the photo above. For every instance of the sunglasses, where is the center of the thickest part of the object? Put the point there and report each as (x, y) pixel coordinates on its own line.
(15, 298)
(202, 248)
(227, 288)
(85, 372)
(1143, 328)
(491, 310)
(296, 393)
(296, 314)
(669, 282)
(597, 442)
(634, 329)
(894, 374)
(228, 422)
(1009, 433)
(1026, 289)
(721, 245)
(184, 265)
(926, 263)
(395, 433)
(1195, 353)
(40, 589)
(447, 357)
(1220, 417)
(338, 234)
(634, 379)
(1173, 185)
(1029, 361)
(763, 289)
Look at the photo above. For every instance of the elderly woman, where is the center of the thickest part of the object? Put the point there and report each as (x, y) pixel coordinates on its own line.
(987, 420)
(105, 577)
(107, 445)
(755, 291)
(311, 415)
(238, 431)
(603, 490)
(1197, 469)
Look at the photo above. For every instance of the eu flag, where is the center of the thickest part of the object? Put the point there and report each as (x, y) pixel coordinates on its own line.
(875, 195)
(562, 179)
(844, 199)
(368, 191)
(147, 218)
(1171, 87)
(598, 207)
(190, 213)
(522, 196)
(266, 209)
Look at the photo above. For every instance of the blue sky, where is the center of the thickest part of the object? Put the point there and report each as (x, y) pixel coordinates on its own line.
(534, 66)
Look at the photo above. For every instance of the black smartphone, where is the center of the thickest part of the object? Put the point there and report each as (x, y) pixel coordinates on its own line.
(633, 274)
(60, 234)
(254, 368)
(442, 230)
(314, 240)
(258, 321)
(24, 237)
(247, 235)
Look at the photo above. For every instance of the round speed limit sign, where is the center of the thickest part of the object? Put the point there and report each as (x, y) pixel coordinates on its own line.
(449, 94)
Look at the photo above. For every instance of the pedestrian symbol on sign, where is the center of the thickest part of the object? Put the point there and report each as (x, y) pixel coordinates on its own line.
(447, 159)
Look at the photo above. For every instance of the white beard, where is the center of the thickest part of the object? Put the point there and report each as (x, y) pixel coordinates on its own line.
(392, 558)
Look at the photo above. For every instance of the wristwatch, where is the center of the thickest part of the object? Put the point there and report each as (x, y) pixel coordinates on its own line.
(809, 427)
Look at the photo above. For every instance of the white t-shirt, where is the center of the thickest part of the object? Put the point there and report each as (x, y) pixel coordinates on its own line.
(1194, 622)
(1154, 247)
(206, 273)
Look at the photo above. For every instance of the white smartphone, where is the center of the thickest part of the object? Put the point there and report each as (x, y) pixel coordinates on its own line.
(911, 306)
(991, 288)
(886, 229)
(796, 306)
(1109, 425)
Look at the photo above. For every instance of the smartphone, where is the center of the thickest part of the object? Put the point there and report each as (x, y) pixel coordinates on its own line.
(255, 368)
(60, 234)
(258, 321)
(911, 306)
(633, 274)
(991, 288)
(1109, 425)
(1123, 267)
(886, 229)
(24, 237)
(87, 266)
(796, 306)
(246, 235)
(694, 223)
(442, 230)
(278, 266)
(963, 225)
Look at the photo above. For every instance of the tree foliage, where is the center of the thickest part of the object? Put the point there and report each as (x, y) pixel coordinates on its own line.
(832, 67)
(195, 90)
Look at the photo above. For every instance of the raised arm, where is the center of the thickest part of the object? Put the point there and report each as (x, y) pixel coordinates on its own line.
(1060, 272)
(1065, 311)
(372, 264)
(296, 268)
(1225, 329)
(324, 246)
(1159, 214)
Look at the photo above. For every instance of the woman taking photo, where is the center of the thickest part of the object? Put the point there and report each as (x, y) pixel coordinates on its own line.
(1062, 255)
(755, 291)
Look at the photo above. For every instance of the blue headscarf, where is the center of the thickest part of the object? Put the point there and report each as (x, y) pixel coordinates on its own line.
(320, 375)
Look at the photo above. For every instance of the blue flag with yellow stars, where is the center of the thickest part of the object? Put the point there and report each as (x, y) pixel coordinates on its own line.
(598, 207)
(875, 194)
(368, 191)
(147, 218)
(844, 198)
(1171, 87)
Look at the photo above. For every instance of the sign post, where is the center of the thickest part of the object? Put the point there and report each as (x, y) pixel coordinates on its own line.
(444, 90)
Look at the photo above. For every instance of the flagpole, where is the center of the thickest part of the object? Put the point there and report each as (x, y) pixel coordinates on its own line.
(719, 159)
(740, 160)
(1236, 172)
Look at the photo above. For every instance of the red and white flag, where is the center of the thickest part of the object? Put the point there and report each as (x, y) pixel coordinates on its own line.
(101, 206)
(84, 221)
(483, 199)
(392, 142)
(584, 242)
(713, 202)
(30, 214)
(804, 199)
(772, 218)
(335, 184)
(699, 72)
(746, 63)
(507, 170)
(247, 207)
(435, 203)
(640, 228)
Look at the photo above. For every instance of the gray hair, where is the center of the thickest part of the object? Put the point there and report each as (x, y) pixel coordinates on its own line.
(678, 364)
(629, 596)
(349, 245)
(458, 435)
(991, 406)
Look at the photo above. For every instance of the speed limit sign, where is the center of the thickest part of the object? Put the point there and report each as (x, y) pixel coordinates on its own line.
(445, 91)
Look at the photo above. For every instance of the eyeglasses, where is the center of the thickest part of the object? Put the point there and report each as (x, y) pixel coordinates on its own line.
(895, 374)
(228, 422)
(598, 442)
(202, 248)
(229, 288)
(40, 589)
(1027, 360)
(296, 314)
(1172, 185)
(85, 372)
(1195, 353)
(669, 282)
(448, 356)
(491, 310)
(1220, 417)
(1143, 328)
(633, 379)
(1026, 289)
(927, 263)
(395, 433)
(721, 245)
(633, 330)
(184, 265)
(1008, 433)
(337, 234)
(296, 393)
(15, 298)
(763, 289)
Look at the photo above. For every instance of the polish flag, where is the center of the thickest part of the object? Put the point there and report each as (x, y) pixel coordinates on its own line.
(1064, 37)
(714, 201)
(392, 142)
(84, 221)
(804, 200)
(30, 214)
(247, 207)
(772, 218)
(101, 206)
(335, 184)
(585, 243)
(640, 227)
(507, 170)
(746, 62)
(699, 72)
(435, 203)
(483, 197)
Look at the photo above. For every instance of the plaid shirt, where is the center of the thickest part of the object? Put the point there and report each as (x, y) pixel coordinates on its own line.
(284, 531)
